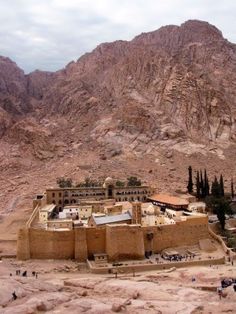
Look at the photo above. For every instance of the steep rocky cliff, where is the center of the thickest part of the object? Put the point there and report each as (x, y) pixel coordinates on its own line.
(172, 85)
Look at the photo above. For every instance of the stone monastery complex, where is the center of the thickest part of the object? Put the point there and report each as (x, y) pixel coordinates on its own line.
(107, 224)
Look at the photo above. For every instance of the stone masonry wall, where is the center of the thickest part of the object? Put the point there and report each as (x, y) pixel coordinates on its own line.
(96, 240)
(46, 244)
(182, 233)
(118, 241)
(23, 244)
(124, 242)
(81, 248)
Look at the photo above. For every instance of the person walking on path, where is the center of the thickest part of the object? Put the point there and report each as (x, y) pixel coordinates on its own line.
(220, 290)
(14, 296)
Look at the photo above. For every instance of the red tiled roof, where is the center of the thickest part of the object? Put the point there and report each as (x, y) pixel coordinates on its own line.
(169, 199)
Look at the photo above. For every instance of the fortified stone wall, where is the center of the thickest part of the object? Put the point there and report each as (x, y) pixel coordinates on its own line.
(46, 244)
(124, 242)
(23, 244)
(81, 249)
(96, 240)
(118, 241)
(182, 233)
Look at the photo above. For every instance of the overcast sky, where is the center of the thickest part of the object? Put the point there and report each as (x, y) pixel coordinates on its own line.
(48, 34)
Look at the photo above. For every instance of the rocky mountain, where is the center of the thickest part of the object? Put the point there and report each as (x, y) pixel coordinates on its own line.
(150, 107)
(169, 86)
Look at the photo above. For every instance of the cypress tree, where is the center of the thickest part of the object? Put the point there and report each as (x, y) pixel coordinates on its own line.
(232, 188)
(198, 185)
(201, 185)
(206, 184)
(222, 189)
(215, 188)
(220, 208)
(190, 180)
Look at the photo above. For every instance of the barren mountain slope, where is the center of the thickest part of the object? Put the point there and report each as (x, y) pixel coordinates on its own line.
(149, 107)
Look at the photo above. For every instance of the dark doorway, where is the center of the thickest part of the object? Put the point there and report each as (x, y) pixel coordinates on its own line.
(110, 191)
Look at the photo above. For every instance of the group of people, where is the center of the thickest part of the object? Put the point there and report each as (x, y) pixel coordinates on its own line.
(24, 273)
(177, 257)
(224, 284)
(228, 282)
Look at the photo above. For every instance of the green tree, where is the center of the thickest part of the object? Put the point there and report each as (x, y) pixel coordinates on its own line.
(133, 181)
(220, 207)
(198, 185)
(64, 182)
(231, 242)
(120, 183)
(222, 189)
(221, 216)
(232, 188)
(220, 212)
(206, 184)
(201, 184)
(190, 180)
(215, 188)
(89, 183)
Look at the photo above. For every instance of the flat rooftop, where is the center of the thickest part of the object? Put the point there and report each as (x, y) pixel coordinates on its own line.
(48, 208)
(102, 220)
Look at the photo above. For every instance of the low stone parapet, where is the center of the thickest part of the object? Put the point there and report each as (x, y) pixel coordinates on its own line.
(146, 267)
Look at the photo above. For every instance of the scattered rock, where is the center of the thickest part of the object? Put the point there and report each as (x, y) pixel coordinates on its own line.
(84, 293)
(128, 302)
(136, 295)
(117, 307)
(169, 154)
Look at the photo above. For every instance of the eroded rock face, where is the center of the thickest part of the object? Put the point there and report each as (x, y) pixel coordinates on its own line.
(176, 76)
(13, 92)
(38, 82)
(173, 83)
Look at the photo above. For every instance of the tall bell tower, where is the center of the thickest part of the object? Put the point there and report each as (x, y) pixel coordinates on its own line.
(137, 213)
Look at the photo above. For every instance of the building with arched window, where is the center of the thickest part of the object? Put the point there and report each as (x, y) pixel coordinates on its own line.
(68, 196)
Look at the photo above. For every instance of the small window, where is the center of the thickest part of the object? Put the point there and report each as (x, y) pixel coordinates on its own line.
(53, 194)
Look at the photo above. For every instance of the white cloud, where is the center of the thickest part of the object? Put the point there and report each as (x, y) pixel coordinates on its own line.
(47, 34)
